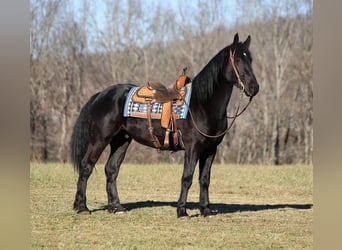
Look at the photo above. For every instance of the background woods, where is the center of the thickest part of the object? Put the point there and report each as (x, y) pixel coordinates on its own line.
(79, 49)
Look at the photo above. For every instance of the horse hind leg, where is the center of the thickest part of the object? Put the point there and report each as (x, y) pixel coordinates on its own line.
(92, 155)
(119, 146)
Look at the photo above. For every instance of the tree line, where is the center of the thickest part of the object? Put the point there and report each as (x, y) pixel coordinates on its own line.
(73, 55)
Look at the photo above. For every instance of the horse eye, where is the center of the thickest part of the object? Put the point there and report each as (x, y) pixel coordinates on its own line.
(244, 54)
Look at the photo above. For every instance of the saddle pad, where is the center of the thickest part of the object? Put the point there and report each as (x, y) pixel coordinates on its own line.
(136, 109)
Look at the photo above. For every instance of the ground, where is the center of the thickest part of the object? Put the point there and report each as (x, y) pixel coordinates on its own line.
(260, 207)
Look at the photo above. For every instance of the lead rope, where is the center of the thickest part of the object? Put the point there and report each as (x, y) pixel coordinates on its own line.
(228, 117)
(243, 110)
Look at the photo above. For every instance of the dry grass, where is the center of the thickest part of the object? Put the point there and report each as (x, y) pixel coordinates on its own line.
(262, 207)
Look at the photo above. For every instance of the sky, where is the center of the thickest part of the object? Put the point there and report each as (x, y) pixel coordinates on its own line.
(187, 5)
(228, 11)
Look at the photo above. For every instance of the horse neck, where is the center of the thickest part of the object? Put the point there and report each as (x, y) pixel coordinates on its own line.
(212, 90)
(215, 106)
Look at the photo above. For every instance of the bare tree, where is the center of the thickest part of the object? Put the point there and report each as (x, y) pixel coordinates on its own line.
(281, 43)
(75, 53)
(43, 15)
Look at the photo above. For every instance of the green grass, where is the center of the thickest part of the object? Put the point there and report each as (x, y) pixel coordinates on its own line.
(262, 207)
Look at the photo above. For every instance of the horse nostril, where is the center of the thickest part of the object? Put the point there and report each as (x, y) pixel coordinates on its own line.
(255, 89)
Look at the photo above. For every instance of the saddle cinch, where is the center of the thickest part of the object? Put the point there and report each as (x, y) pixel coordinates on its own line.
(155, 92)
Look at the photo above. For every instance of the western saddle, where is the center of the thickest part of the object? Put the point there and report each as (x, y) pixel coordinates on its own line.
(156, 92)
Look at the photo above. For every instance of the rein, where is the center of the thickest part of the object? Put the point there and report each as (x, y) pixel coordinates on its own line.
(237, 113)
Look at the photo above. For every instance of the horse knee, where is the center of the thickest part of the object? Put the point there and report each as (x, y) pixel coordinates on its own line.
(111, 173)
(204, 181)
(187, 181)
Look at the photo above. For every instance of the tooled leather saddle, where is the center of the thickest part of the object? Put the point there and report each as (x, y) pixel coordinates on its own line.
(155, 101)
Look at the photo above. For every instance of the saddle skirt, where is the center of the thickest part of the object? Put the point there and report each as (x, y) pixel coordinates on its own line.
(139, 99)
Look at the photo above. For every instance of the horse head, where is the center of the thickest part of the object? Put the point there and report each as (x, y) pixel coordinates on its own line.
(239, 70)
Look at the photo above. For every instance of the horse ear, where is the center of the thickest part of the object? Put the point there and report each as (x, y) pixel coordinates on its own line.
(247, 42)
(236, 39)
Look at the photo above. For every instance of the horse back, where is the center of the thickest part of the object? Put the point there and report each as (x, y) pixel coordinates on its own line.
(110, 100)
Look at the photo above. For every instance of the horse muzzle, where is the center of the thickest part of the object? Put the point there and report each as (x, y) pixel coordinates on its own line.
(251, 89)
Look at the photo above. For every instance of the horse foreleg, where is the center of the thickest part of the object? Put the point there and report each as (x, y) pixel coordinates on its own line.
(119, 147)
(205, 163)
(188, 173)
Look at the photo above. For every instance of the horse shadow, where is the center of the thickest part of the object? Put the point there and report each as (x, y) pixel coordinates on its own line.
(220, 208)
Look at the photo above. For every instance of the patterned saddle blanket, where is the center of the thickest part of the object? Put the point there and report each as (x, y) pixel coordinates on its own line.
(136, 105)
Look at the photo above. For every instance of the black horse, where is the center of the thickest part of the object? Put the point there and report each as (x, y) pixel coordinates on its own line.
(101, 122)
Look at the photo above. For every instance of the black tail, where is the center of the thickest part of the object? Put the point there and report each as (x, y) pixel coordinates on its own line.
(80, 137)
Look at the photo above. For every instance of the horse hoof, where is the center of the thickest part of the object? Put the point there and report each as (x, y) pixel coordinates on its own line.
(84, 212)
(121, 212)
(208, 212)
(181, 213)
(116, 209)
(185, 217)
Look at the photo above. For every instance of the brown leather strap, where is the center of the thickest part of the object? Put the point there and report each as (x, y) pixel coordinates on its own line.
(154, 139)
(232, 60)
(166, 140)
(174, 125)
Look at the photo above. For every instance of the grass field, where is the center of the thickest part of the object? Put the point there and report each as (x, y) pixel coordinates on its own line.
(261, 207)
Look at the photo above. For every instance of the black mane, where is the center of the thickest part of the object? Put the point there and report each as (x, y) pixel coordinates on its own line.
(204, 82)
